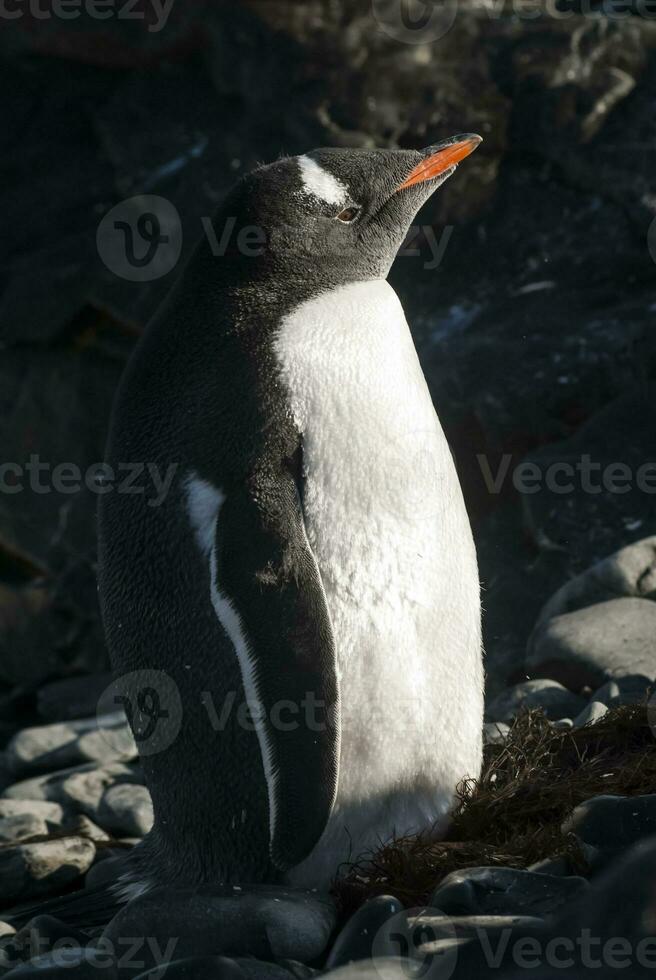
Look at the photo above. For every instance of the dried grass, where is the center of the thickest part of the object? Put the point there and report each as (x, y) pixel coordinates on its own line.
(513, 814)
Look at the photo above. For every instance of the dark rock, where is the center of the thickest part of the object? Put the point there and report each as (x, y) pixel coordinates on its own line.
(212, 968)
(554, 699)
(629, 573)
(71, 697)
(126, 810)
(632, 689)
(30, 870)
(532, 542)
(355, 941)
(504, 891)
(259, 970)
(610, 824)
(595, 644)
(608, 932)
(262, 921)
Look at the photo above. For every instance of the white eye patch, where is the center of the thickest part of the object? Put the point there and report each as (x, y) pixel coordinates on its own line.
(319, 183)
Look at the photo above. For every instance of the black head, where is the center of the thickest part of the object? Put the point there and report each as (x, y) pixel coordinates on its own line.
(338, 214)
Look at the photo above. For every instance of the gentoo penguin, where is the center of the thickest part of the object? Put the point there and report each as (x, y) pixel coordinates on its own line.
(312, 559)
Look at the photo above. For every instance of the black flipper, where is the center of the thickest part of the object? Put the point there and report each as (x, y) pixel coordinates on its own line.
(268, 595)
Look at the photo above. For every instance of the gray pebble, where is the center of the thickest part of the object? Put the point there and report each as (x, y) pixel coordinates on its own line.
(595, 644)
(30, 870)
(126, 809)
(554, 699)
(22, 826)
(590, 714)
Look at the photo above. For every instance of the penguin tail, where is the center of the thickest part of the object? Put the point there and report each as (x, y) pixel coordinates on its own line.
(85, 909)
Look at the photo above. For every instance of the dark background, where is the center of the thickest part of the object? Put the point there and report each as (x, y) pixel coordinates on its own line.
(536, 331)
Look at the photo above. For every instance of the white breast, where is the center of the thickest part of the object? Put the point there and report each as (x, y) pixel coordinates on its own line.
(387, 523)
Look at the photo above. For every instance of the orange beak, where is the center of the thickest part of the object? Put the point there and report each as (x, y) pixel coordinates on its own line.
(441, 158)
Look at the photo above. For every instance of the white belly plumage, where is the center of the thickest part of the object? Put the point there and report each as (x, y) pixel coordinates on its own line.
(387, 523)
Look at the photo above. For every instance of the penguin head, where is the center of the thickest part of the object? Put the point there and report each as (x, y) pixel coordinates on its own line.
(340, 214)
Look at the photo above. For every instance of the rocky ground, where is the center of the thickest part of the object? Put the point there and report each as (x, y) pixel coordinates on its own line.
(556, 838)
(535, 330)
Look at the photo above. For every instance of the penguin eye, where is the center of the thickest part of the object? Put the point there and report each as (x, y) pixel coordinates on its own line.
(348, 215)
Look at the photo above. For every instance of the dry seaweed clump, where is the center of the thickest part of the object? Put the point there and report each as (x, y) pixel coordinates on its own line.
(512, 815)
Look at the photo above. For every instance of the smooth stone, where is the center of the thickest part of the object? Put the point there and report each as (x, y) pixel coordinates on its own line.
(620, 905)
(562, 724)
(610, 824)
(596, 644)
(40, 748)
(495, 732)
(52, 747)
(30, 870)
(265, 921)
(79, 788)
(126, 809)
(355, 941)
(628, 573)
(590, 714)
(554, 699)
(504, 891)
(22, 826)
(632, 689)
(210, 968)
(50, 812)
